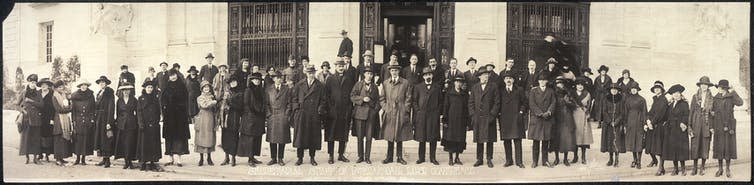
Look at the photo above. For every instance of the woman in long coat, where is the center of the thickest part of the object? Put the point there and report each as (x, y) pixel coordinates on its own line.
(601, 88)
(230, 134)
(581, 116)
(455, 121)
(277, 100)
(484, 105)
(252, 122)
(655, 131)
(636, 119)
(48, 113)
(541, 109)
(62, 126)
(194, 90)
(127, 126)
(366, 123)
(104, 122)
(611, 118)
(309, 104)
(724, 126)
(566, 126)
(82, 114)
(395, 100)
(149, 145)
(30, 101)
(175, 128)
(701, 105)
(510, 120)
(676, 144)
(204, 124)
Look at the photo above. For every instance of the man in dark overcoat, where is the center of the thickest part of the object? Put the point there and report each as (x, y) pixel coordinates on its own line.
(365, 97)
(278, 117)
(512, 125)
(309, 102)
(541, 109)
(484, 106)
(427, 98)
(126, 76)
(338, 88)
(412, 72)
(472, 75)
(209, 70)
(346, 45)
(162, 77)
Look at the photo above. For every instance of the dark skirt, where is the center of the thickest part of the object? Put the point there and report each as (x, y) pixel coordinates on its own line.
(676, 143)
(249, 145)
(453, 146)
(653, 140)
(126, 144)
(62, 147)
(31, 141)
(724, 145)
(609, 142)
(83, 144)
(554, 144)
(47, 138)
(229, 140)
(149, 145)
(176, 146)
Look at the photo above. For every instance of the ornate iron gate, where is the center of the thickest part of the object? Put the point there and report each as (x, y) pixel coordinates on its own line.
(528, 22)
(267, 33)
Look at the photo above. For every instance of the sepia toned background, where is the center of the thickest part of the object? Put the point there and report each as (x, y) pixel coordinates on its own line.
(672, 42)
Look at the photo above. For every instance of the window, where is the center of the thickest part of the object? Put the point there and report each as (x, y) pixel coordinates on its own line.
(45, 38)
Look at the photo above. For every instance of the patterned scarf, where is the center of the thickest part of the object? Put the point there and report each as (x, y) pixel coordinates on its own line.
(65, 120)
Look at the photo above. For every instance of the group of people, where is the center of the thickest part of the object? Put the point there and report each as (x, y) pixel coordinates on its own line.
(430, 104)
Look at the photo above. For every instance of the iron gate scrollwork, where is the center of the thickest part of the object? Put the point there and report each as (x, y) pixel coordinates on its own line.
(266, 33)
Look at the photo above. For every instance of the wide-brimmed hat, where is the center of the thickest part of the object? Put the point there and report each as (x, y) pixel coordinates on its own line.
(581, 80)
(458, 78)
(126, 85)
(367, 69)
(676, 88)
(704, 80)
(658, 84)
(723, 84)
(471, 59)
(603, 68)
(634, 86)
(148, 82)
(176, 65)
(483, 71)
(551, 60)
(204, 83)
(45, 81)
(310, 69)
(164, 63)
(209, 55)
(588, 70)
(542, 76)
(221, 66)
(257, 76)
(83, 82)
(32, 78)
(394, 67)
(427, 70)
(342, 32)
(367, 53)
(507, 74)
(615, 86)
(58, 83)
(488, 65)
(340, 62)
(192, 68)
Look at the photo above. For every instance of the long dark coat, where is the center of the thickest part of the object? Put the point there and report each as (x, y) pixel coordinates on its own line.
(82, 115)
(541, 101)
(149, 144)
(472, 78)
(192, 87)
(126, 77)
(613, 110)
(279, 114)
(208, 72)
(438, 75)
(676, 144)
(601, 89)
(426, 102)
(309, 104)
(528, 81)
(346, 47)
(725, 125)
(543, 51)
(565, 124)
(414, 77)
(31, 138)
(338, 89)
(230, 134)
(368, 112)
(654, 138)
(162, 80)
(484, 105)
(699, 122)
(395, 100)
(105, 115)
(48, 113)
(127, 128)
(512, 107)
(174, 107)
(636, 118)
(455, 109)
(625, 88)
(253, 119)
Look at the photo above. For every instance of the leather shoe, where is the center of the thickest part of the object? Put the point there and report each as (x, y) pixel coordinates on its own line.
(368, 161)
(434, 162)
(272, 162)
(478, 163)
(313, 162)
(719, 173)
(299, 161)
(387, 161)
(489, 163)
(343, 159)
(520, 165)
(400, 160)
(359, 160)
(419, 161)
(330, 160)
(507, 164)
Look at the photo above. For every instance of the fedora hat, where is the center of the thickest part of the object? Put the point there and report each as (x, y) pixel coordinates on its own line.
(83, 82)
(192, 68)
(367, 53)
(126, 85)
(658, 84)
(459, 78)
(551, 60)
(343, 32)
(508, 74)
(471, 59)
(483, 71)
(560, 79)
(723, 84)
(488, 65)
(32, 78)
(257, 76)
(176, 65)
(426, 70)
(165, 63)
(394, 67)
(603, 68)
(340, 62)
(122, 67)
(704, 80)
(45, 81)
(59, 83)
(367, 69)
(310, 69)
(676, 88)
(209, 55)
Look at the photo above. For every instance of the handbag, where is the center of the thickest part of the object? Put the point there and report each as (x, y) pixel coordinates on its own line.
(20, 122)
